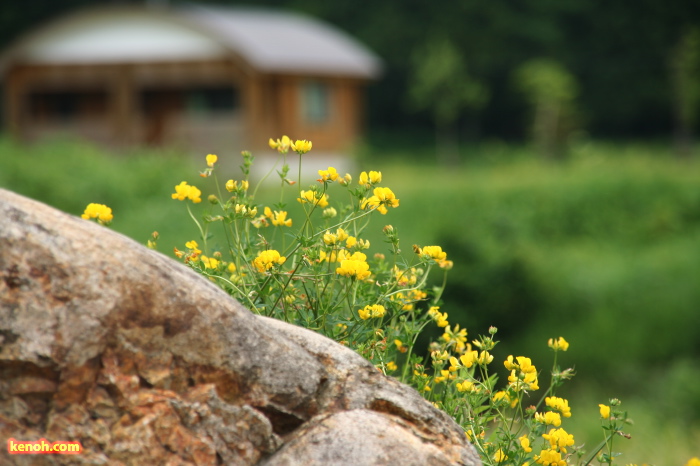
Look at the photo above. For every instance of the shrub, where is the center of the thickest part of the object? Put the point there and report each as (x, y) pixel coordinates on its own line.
(316, 271)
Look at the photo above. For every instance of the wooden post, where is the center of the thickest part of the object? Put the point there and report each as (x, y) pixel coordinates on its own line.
(12, 103)
(123, 105)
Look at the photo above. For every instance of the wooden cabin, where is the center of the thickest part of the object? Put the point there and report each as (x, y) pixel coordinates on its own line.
(208, 78)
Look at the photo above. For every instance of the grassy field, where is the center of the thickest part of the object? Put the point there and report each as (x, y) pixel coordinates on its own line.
(601, 248)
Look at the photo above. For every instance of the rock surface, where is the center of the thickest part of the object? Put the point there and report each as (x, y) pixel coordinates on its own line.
(145, 362)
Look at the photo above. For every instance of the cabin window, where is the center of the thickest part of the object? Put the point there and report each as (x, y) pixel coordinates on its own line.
(211, 100)
(315, 99)
(51, 106)
(192, 100)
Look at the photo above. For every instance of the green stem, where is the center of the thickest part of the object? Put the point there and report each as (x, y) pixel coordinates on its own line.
(599, 447)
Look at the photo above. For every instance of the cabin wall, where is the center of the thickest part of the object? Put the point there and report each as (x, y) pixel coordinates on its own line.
(213, 107)
(182, 104)
(323, 110)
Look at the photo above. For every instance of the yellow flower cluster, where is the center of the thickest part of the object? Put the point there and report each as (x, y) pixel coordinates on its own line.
(210, 262)
(101, 212)
(525, 443)
(328, 175)
(184, 191)
(560, 404)
(312, 197)
(407, 277)
(456, 338)
(559, 439)
(550, 458)
(301, 146)
(559, 344)
(523, 374)
(282, 145)
(355, 266)
(367, 180)
(549, 418)
(268, 259)
(504, 396)
(409, 298)
(435, 253)
(439, 317)
(278, 218)
(383, 198)
(371, 310)
(232, 185)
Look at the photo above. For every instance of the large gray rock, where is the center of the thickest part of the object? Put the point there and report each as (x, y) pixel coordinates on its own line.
(144, 361)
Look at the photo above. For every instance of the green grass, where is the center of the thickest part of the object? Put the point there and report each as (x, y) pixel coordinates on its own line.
(601, 248)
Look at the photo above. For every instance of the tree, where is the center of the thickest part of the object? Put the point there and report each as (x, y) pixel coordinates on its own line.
(551, 91)
(440, 84)
(685, 85)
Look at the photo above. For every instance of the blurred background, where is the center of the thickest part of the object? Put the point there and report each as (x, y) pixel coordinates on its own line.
(548, 147)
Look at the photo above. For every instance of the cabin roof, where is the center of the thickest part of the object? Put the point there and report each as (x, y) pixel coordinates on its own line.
(270, 41)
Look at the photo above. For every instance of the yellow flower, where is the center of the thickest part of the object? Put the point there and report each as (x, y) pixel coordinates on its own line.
(101, 212)
(282, 145)
(400, 346)
(209, 262)
(524, 364)
(329, 238)
(484, 358)
(549, 418)
(391, 366)
(328, 175)
(469, 358)
(465, 386)
(184, 191)
(310, 197)
(433, 252)
(558, 344)
(525, 444)
(503, 395)
(499, 456)
(439, 317)
(278, 218)
(267, 259)
(604, 411)
(695, 461)
(211, 160)
(364, 313)
(559, 404)
(408, 277)
(373, 310)
(383, 198)
(355, 266)
(374, 177)
(301, 146)
(342, 234)
(447, 265)
(559, 439)
(550, 458)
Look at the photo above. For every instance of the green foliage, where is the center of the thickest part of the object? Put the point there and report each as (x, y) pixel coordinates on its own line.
(551, 91)
(65, 173)
(601, 249)
(441, 84)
